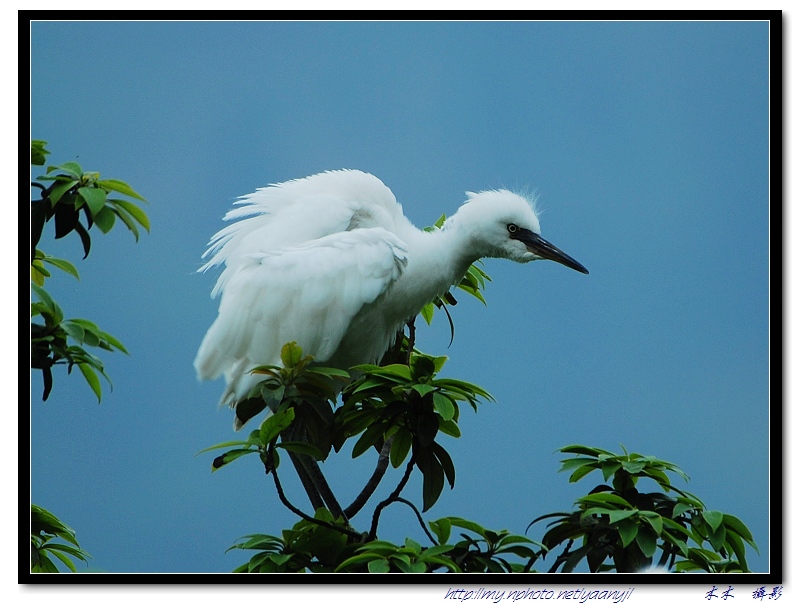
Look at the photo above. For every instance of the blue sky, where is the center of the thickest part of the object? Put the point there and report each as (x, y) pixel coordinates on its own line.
(646, 143)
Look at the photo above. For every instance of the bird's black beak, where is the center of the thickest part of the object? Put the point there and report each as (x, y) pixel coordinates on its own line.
(544, 249)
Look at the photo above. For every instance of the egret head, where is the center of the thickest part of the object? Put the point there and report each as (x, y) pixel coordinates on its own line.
(502, 224)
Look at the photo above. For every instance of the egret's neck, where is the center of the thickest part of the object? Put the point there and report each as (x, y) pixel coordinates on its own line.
(437, 260)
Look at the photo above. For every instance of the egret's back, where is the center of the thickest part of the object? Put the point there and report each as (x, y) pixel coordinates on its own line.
(303, 259)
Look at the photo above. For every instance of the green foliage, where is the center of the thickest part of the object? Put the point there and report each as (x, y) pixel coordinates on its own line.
(405, 403)
(50, 343)
(311, 547)
(409, 404)
(47, 534)
(72, 193)
(54, 339)
(622, 524)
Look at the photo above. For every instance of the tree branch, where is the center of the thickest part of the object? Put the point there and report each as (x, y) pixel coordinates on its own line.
(373, 482)
(317, 488)
(419, 518)
(299, 512)
(373, 531)
(311, 490)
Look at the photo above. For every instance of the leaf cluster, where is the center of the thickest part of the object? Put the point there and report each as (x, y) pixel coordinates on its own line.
(50, 343)
(621, 523)
(410, 405)
(70, 195)
(310, 547)
(306, 547)
(47, 532)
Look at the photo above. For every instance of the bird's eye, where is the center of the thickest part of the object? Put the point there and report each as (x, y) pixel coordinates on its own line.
(512, 228)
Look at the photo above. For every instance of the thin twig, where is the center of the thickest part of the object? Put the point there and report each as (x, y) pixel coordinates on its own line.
(299, 512)
(419, 518)
(412, 337)
(373, 482)
(373, 531)
(562, 557)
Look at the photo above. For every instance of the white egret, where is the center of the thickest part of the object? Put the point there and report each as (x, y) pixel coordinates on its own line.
(330, 262)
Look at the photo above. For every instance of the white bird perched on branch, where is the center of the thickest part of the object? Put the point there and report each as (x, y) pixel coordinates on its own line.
(330, 262)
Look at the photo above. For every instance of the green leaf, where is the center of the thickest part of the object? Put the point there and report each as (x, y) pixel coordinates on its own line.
(112, 341)
(628, 530)
(609, 469)
(380, 565)
(64, 265)
(229, 456)
(272, 426)
(48, 301)
(369, 438)
(633, 467)
(70, 167)
(291, 354)
(105, 219)
(358, 559)
(717, 537)
(303, 448)
(441, 528)
(736, 546)
(449, 427)
(737, 526)
(413, 546)
(680, 508)
(444, 406)
(576, 462)
(467, 524)
(62, 557)
(38, 152)
(581, 472)
(646, 541)
(58, 190)
(135, 211)
(681, 545)
(714, 519)
(583, 450)
(94, 197)
(112, 184)
(330, 372)
(617, 515)
(73, 330)
(447, 463)
(225, 445)
(91, 379)
(432, 479)
(427, 312)
(608, 498)
(38, 272)
(396, 371)
(655, 521)
(422, 389)
(126, 218)
(401, 444)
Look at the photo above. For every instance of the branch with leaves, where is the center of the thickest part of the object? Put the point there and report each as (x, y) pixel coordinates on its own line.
(620, 523)
(68, 195)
